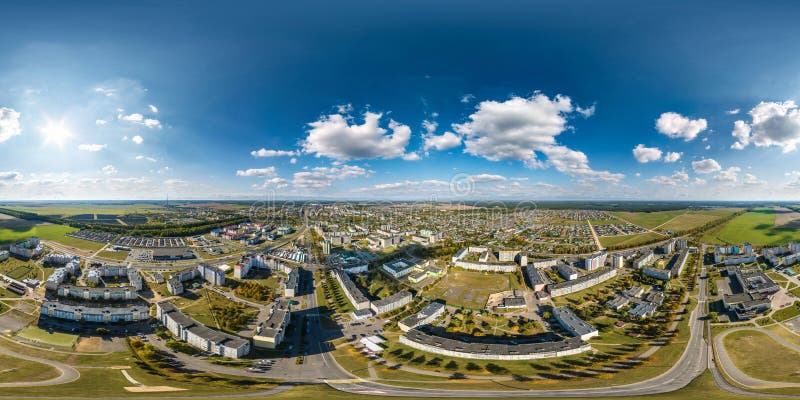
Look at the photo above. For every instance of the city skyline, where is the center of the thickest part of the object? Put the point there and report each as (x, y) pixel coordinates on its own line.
(407, 102)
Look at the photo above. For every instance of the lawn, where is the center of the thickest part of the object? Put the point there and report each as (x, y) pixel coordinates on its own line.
(18, 370)
(56, 233)
(623, 241)
(37, 334)
(757, 355)
(237, 314)
(19, 269)
(756, 227)
(67, 210)
(471, 289)
(787, 313)
(113, 255)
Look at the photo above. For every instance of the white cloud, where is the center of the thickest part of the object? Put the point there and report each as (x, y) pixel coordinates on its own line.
(137, 139)
(444, 141)
(676, 126)
(672, 157)
(487, 178)
(334, 137)
(646, 154)
(153, 109)
(259, 172)
(139, 119)
(750, 179)
(146, 158)
(105, 91)
(467, 98)
(518, 128)
(109, 170)
(729, 175)
(733, 111)
(413, 156)
(9, 175)
(404, 185)
(293, 161)
(706, 166)
(92, 147)
(772, 124)
(677, 178)
(175, 182)
(273, 153)
(700, 181)
(278, 183)
(430, 126)
(9, 124)
(100, 122)
(586, 112)
(323, 177)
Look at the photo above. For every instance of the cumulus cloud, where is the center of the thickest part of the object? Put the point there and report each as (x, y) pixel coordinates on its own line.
(677, 126)
(137, 139)
(109, 170)
(487, 178)
(404, 185)
(729, 175)
(92, 147)
(519, 128)
(277, 183)
(140, 119)
(293, 161)
(586, 112)
(334, 137)
(677, 178)
(323, 177)
(259, 172)
(772, 124)
(100, 122)
(273, 153)
(9, 123)
(153, 109)
(467, 98)
(750, 179)
(413, 156)
(445, 141)
(706, 166)
(733, 111)
(644, 154)
(672, 157)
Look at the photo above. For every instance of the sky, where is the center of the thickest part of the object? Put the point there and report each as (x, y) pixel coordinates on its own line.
(412, 100)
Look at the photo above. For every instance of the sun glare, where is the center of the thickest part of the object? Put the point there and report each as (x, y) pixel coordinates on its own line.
(55, 133)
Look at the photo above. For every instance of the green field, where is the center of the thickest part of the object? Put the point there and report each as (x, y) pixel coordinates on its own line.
(756, 227)
(471, 289)
(113, 255)
(648, 220)
(56, 233)
(37, 334)
(630, 240)
(18, 370)
(757, 355)
(68, 210)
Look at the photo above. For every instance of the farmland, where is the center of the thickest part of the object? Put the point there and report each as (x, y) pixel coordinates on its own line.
(756, 226)
(630, 240)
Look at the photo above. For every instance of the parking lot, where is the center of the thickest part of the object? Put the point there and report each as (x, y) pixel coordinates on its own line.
(133, 241)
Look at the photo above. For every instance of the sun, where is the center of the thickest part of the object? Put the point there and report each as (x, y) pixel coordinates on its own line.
(55, 133)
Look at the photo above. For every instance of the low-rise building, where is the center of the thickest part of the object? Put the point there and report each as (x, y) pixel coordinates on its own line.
(175, 287)
(198, 335)
(574, 325)
(391, 302)
(425, 316)
(398, 268)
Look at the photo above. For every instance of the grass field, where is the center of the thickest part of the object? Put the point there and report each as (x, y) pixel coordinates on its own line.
(113, 255)
(757, 355)
(756, 227)
(56, 233)
(471, 289)
(37, 334)
(648, 220)
(787, 313)
(629, 240)
(18, 370)
(200, 310)
(68, 210)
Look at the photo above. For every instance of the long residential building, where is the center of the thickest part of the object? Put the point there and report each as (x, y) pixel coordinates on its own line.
(584, 282)
(351, 290)
(113, 293)
(198, 335)
(535, 279)
(102, 313)
(292, 283)
(645, 259)
(437, 342)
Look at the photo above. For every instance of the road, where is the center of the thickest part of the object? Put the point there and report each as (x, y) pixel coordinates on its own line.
(67, 373)
(692, 364)
(738, 375)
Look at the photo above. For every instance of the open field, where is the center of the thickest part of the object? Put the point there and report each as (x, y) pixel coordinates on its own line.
(39, 335)
(757, 355)
(72, 209)
(113, 255)
(56, 233)
(786, 218)
(18, 370)
(629, 240)
(471, 289)
(213, 310)
(756, 227)
(648, 220)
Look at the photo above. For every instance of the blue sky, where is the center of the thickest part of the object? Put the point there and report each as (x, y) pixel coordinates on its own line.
(405, 100)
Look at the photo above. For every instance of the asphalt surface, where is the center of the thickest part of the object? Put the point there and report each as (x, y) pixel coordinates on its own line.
(738, 375)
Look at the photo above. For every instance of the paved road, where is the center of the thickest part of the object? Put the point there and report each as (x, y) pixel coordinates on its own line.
(738, 375)
(67, 373)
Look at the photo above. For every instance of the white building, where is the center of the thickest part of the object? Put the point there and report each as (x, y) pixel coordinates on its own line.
(574, 325)
(398, 268)
(595, 261)
(198, 335)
